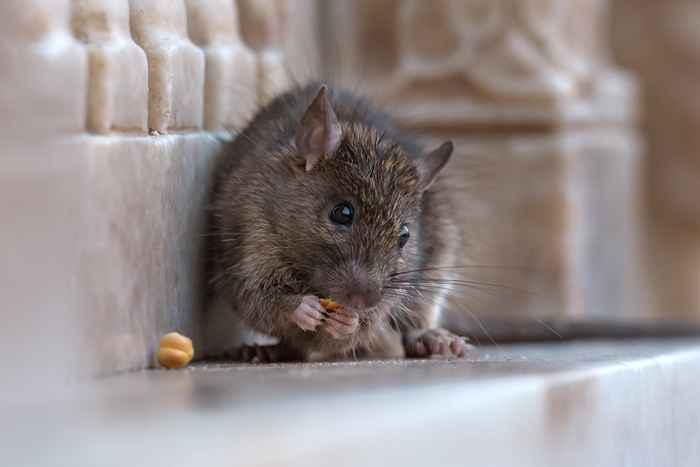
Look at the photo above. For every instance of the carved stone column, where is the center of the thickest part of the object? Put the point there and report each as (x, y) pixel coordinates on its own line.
(546, 167)
(659, 41)
(38, 54)
(118, 74)
(264, 26)
(175, 65)
(230, 94)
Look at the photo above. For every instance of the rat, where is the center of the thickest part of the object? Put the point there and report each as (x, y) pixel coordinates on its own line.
(322, 196)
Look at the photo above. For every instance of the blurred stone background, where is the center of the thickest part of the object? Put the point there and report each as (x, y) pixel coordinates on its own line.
(576, 171)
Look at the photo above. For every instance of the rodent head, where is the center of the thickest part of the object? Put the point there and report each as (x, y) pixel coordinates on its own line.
(357, 195)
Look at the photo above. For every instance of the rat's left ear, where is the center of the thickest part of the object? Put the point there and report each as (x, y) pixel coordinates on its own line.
(430, 165)
(319, 132)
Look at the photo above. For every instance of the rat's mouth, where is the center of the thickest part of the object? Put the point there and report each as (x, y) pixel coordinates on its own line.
(349, 298)
(331, 305)
(367, 310)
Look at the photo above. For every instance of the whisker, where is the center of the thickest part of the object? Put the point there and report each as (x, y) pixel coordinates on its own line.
(548, 327)
(482, 327)
(466, 283)
(451, 268)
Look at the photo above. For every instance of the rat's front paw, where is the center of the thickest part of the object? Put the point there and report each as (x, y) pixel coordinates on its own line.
(341, 323)
(436, 342)
(309, 314)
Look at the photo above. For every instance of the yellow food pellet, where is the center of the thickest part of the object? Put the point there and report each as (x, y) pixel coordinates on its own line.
(329, 304)
(176, 350)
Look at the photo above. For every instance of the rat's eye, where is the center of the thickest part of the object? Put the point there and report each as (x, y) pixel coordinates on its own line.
(342, 213)
(404, 235)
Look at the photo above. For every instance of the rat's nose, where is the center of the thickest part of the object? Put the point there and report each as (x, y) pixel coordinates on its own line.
(365, 299)
(360, 290)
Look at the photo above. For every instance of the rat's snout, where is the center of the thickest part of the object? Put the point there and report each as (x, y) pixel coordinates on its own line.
(359, 291)
(363, 299)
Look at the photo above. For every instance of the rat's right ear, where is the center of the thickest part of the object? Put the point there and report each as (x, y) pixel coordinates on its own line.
(319, 132)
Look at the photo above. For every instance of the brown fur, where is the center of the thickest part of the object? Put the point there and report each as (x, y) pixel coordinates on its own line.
(271, 241)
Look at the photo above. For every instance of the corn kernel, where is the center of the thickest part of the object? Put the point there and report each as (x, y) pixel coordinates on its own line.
(176, 350)
(329, 304)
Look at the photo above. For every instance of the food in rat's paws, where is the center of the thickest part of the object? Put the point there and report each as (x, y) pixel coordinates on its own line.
(176, 350)
(330, 305)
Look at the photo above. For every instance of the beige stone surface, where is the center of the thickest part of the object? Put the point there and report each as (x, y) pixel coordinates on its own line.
(514, 230)
(105, 254)
(140, 265)
(303, 42)
(658, 41)
(41, 337)
(264, 27)
(549, 230)
(230, 88)
(43, 72)
(118, 72)
(593, 404)
(175, 65)
(480, 62)
(605, 246)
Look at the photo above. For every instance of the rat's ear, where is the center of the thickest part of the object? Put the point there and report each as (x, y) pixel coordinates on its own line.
(430, 165)
(319, 131)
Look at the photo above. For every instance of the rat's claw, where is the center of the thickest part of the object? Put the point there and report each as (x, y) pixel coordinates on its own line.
(436, 343)
(342, 323)
(309, 314)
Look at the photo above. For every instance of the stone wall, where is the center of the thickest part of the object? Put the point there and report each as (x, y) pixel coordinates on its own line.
(112, 111)
(658, 41)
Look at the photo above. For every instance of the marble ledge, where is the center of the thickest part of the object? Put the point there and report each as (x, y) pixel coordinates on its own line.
(577, 404)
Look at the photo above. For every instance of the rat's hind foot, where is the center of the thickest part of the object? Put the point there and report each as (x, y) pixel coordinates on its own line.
(436, 342)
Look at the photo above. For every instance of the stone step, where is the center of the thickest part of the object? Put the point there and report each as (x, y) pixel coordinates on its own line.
(589, 403)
